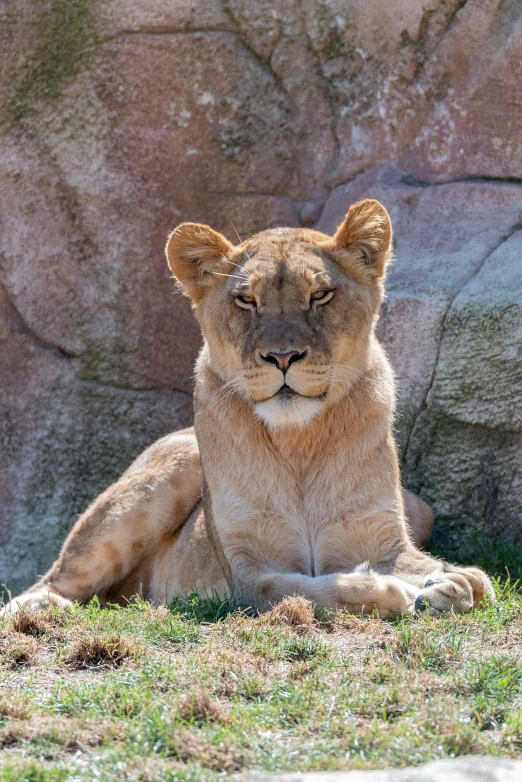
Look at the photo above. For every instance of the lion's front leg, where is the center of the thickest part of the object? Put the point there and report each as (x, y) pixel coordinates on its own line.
(362, 591)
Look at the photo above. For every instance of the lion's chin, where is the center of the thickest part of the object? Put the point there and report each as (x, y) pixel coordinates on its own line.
(294, 410)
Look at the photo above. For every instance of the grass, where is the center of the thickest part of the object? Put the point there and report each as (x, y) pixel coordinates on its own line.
(202, 689)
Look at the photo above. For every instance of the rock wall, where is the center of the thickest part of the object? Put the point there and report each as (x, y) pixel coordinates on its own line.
(120, 119)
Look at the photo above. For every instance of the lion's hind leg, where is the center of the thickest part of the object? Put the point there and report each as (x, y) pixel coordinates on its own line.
(38, 596)
(119, 534)
(419, 516)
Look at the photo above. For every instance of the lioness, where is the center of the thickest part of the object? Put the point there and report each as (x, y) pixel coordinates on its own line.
(294, 406)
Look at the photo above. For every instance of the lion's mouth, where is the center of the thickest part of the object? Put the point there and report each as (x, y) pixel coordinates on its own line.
(286, 393)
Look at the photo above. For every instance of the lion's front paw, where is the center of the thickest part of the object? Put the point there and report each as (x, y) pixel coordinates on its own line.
(448, 592)
(399, 598)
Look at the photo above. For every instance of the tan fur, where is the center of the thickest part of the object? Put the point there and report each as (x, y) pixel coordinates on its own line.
(294, 405)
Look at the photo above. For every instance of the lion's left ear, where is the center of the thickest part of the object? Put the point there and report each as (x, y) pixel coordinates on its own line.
(367, 232)
(197, 256)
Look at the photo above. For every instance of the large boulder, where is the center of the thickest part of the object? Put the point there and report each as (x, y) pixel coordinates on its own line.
(465, 451)
(119, 120)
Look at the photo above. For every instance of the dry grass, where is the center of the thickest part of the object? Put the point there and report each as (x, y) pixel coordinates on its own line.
(295, 612)
(198, 707)
(353, 634)
(99, 653)
(11, 734)
(29, 623)
(57, 730)
(189, 747)
(14, 708)
(37, 623)
(17, 649)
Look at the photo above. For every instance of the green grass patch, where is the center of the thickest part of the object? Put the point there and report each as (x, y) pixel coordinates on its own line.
(200, 689)
(205, 609)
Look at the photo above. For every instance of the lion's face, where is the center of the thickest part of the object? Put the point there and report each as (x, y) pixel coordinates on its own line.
(288, 314)
(284, 328)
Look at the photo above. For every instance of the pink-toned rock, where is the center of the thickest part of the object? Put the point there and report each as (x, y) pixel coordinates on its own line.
(474, 126)
(158, 17)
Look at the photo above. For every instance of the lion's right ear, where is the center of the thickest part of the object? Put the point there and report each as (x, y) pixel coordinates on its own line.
(197, 256)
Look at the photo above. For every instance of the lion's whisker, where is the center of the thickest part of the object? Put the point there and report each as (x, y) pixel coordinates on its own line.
(224, 394)
(232, 263)
(240, 240)
(232, 276)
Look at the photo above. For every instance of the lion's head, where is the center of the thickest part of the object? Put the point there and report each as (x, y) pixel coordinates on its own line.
(288, 314)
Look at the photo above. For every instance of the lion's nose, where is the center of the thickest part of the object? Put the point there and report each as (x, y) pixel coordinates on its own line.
(283, 360)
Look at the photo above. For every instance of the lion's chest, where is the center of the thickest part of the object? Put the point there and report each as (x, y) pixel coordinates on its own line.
(306, 533)
(289, 518)
(314, 539)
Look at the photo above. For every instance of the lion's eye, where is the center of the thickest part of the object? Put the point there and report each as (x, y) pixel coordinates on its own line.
(245, 301)
(321, 296)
